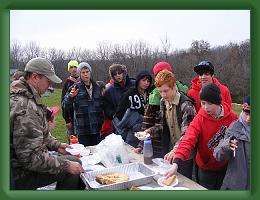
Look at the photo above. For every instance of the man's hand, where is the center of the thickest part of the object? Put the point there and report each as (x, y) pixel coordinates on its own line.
(74, 91)
(169, 156)
(172, 171)
(62, 148)
(75, 168)
(69, 125)
(148, 131)
(138, 150)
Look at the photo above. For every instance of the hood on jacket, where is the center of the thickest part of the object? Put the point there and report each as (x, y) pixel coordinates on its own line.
(195, 83)
(117, 67)
(141, 75)
(227, 112)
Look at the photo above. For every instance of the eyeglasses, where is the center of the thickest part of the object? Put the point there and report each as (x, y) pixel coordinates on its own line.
(117, 73)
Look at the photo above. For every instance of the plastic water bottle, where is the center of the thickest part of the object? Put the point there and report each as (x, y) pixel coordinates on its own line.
(148, 152)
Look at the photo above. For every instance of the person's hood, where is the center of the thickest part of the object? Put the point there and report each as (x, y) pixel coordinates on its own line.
(196, 85)
(141, 75)
(227, 113)
(22, 87)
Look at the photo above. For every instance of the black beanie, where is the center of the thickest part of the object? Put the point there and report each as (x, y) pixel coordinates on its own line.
(211, 93)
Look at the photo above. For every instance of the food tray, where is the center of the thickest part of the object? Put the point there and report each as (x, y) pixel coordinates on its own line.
(139, 174)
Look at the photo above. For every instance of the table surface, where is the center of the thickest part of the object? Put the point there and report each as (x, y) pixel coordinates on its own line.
(134, 157)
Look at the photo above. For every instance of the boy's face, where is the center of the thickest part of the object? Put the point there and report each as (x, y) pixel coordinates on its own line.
(246, 116)
(144, 83)
(210, 108)
(85, 75)
(73, 71)
(167, 93)
(118, 76)
(205, 78)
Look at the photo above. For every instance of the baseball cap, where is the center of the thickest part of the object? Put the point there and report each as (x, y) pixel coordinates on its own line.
(42, 66)
(204, 66)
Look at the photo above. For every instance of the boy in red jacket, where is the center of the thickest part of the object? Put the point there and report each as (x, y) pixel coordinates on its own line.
(204, 133)
(205, 71)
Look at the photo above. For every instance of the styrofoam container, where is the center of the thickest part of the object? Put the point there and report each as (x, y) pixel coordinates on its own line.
(76, 149)
(139, 174)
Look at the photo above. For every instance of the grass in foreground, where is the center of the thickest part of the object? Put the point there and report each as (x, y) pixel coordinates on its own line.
(60, 131)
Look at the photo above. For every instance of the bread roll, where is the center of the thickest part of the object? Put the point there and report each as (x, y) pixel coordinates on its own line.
(169, 181)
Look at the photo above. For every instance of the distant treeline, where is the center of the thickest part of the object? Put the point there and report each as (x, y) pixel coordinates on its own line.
(231, 61)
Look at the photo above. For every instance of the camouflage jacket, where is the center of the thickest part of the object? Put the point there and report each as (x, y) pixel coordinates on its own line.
(30, 138)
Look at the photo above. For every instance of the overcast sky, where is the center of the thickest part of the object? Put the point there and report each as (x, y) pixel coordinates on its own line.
(86, 28)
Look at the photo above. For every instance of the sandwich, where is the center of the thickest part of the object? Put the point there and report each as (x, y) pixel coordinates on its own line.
(169, 181)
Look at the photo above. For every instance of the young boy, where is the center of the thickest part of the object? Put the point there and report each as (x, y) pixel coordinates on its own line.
(205, 71)
(204, 133)
(236, 148)
(177, 112)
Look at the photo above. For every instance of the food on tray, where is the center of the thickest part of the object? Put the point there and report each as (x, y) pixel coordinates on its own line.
(135, 188)
(142, 135)
(110, 178)
(169, 181)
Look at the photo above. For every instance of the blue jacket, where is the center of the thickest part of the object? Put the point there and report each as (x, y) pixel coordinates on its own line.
(88, 113)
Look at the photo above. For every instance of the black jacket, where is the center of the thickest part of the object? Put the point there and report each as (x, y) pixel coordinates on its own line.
(113, 95)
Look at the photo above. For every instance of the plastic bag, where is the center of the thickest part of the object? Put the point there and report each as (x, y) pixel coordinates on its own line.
(112, 151)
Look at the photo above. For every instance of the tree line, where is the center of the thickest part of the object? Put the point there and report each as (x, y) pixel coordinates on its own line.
(231, 61)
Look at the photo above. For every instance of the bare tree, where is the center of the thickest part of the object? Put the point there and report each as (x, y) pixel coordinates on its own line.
(166, 46)
(74, 53)
(32, 50)
(16, 54)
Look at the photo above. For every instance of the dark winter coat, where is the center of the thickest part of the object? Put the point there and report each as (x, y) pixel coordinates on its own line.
(113, 96)
(88, 113)
(68, 115)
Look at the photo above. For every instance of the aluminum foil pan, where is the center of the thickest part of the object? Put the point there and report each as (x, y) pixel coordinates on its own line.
(139, 174)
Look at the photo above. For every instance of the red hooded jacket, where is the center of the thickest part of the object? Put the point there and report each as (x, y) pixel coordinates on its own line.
(194, 92)
(204, 133)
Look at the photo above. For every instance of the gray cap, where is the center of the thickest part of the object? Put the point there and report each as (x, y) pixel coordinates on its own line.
(83, 65)
(44, 67)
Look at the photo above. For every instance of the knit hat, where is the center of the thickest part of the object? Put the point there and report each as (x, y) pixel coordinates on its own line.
(211, 93)
(247, 105)
(141, 75)
(83, 65)
(72, 63)
(161, 66)
(204, 66)
(117, 67)
(44, 67)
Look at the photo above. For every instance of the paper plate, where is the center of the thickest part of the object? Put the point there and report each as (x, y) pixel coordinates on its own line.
(180, 188)
(142, 135)
(76, 149)
(160, 180)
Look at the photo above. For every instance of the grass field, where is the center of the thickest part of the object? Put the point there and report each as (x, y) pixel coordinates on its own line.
(60, 132)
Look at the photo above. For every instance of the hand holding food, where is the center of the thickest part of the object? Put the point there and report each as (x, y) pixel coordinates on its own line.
(172, 171)
(169, 156)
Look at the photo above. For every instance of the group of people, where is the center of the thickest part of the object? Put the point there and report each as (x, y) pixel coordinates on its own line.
(190, 128)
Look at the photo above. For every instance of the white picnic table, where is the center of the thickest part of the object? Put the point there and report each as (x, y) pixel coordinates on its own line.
(134, 157)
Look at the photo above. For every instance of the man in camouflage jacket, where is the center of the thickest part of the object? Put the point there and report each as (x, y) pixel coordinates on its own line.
(32, 165)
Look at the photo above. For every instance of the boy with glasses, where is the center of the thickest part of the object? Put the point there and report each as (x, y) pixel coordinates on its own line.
(121, 84)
